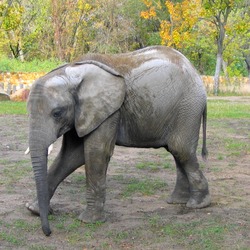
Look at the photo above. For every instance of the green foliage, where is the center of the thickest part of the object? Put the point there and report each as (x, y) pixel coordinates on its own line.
(202, 29)
(11, 15)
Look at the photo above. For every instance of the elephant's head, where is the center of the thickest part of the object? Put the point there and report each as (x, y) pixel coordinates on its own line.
(81, 96)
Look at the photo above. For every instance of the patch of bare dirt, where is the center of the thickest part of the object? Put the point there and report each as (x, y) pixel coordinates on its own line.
(133, 222)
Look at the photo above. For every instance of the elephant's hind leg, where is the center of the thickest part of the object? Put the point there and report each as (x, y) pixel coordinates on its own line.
(181, 193)
(198, 186)
(199, 191)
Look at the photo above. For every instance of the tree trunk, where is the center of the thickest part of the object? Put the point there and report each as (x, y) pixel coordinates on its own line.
(219, 58)
(247, 60)
(217, 73)
(57, 28)
(220, 20)
(224, 66)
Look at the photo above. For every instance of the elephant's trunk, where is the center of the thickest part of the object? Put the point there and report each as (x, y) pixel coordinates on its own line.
(39, 160)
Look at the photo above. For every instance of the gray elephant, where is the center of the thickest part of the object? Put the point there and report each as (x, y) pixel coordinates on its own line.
(152, 97)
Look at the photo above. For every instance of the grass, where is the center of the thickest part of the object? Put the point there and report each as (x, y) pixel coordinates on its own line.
(13, 108)
(207, 233)
(76, 230)
(13, 171)
(236, 147)
(143, 187)
(9, 231)
(152, 166)
(8, 237)
(218, 109)
(197, 234)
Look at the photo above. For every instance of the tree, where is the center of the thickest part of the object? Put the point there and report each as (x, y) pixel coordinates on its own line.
(11, 23)
(70, 20)
(111, 28)
(65, 29)
(36, 29)
(217, 12)
(236, 42)
(199, 29)
(177, 20)
(179, 30)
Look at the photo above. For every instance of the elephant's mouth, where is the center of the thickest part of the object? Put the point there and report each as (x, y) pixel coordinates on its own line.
(64, 130)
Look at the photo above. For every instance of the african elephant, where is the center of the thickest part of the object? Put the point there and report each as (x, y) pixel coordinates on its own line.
(152, 97)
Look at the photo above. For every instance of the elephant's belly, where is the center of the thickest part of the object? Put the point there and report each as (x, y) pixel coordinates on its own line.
(141, 134)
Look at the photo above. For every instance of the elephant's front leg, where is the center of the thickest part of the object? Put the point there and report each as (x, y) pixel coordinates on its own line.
(99, 146)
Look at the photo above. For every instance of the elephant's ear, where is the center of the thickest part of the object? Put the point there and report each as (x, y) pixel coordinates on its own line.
(100, 92)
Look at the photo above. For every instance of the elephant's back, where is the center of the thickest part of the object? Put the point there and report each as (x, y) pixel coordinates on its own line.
(125, 63)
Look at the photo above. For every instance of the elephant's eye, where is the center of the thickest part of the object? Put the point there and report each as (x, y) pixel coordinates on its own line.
(57, 113)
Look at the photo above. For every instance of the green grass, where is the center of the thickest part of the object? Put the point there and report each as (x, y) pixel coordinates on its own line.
(197, 234)
(13, 171)
(8, 231)
(13, 108)
(38, 247)
(152, 166)
(219, 109)
(206, 237)
(13, 65)
(144, 187)
(236, 147)
(8, 237)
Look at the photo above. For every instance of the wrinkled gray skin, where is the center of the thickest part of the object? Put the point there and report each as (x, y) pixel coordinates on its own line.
(149, 98)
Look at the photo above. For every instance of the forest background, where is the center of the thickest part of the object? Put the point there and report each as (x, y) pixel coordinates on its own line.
(213, 34)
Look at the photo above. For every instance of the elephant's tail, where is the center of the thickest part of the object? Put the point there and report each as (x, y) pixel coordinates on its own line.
(204, 152)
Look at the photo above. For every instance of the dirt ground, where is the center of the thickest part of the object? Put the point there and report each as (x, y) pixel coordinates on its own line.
(138, 184)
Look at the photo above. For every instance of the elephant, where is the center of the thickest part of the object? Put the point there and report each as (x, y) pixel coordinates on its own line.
(149, 98)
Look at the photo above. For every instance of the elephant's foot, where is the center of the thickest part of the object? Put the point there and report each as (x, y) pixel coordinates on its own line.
(178, 198)
(199, 200)
(90, 216)
(34, 209)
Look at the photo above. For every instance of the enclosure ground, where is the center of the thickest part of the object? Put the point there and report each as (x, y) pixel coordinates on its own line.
(138, 184)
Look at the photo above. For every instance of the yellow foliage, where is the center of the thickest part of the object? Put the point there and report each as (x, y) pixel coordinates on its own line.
(147, 3)
(149, 13)
(183, 17)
